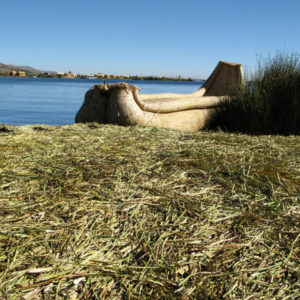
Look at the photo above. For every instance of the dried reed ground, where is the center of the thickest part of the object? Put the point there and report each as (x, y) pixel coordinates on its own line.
(93, 211)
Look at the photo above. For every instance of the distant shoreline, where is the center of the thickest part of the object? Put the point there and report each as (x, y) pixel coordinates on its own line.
(136, 77)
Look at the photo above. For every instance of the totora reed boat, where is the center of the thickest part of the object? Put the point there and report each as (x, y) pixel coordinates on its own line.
(122, 104)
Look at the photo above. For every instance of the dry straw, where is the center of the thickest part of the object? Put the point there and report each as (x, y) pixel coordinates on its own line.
(93, 211)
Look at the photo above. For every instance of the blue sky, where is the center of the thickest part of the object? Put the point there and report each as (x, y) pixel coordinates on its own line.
(154, 37)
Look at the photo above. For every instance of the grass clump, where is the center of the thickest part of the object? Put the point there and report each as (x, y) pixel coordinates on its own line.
(101, 211)
(270, 103)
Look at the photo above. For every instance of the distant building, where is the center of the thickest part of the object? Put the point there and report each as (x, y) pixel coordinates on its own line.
(17, 73)
(69, 75)
(114, 76)
(21, 73)
(91, 76)
(100, 75)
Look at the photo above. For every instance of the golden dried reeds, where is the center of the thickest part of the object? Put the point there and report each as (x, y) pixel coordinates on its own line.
(91, 211)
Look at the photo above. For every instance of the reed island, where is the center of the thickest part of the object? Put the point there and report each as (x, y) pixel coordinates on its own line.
(102, 211)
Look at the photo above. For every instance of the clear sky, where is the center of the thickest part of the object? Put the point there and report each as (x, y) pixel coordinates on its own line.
(153, 37)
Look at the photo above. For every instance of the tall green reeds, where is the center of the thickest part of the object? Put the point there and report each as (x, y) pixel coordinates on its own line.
(270, 103)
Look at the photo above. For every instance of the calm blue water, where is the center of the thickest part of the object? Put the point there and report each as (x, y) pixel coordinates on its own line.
(53, 101)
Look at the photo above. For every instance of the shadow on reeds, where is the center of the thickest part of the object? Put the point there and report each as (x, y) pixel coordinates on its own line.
(269, 103)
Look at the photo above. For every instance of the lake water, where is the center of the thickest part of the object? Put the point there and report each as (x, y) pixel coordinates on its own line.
(54, 101)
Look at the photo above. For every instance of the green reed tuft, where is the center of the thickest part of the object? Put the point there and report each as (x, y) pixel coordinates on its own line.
(270, 103)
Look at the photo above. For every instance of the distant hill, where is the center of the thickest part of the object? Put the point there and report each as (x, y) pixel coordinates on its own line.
(5, 69)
